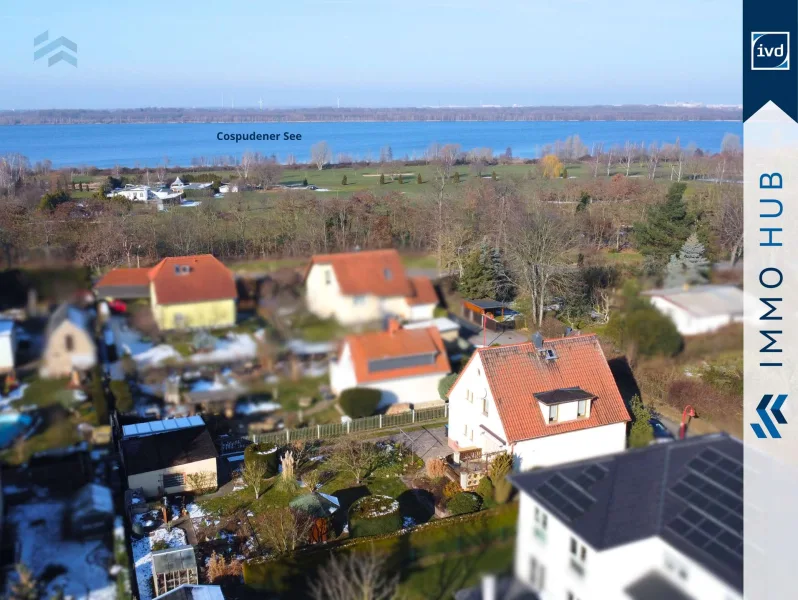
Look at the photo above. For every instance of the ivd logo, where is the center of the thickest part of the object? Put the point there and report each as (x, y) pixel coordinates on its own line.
(770, 51)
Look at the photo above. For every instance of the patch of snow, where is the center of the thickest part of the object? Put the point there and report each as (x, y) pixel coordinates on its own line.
(156, 355)
(17, 394)
(250, 408)
(233, 348)
(38, 525)
(142, 556)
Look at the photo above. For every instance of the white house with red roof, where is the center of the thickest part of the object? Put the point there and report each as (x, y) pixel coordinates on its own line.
(367, 286)
(405, 364)
(545, 402)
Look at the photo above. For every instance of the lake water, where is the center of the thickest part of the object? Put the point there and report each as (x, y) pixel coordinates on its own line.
(147, 144)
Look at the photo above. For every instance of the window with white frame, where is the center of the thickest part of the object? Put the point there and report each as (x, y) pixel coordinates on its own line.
(327, 277)
(581, 409)
(485, 406)
(578, 551)
(552, 413)
(359, 300)
(541, 518)
(470, 396)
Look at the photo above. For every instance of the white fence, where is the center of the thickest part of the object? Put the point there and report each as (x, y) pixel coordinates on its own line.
(366, 424)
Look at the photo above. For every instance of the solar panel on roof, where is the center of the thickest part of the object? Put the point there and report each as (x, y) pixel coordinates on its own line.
(712, 521)
(401, 362)
(565, 496)
(156, 426)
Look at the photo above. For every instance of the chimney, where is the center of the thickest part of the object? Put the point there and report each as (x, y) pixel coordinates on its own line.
(393, 326)
(537, 339)
(488, 587)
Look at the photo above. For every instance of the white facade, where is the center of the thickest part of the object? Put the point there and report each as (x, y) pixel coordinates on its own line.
(474, 422)
(400, 390)
(559, 565)
(8, 345)
(325, 299)
(689, 324)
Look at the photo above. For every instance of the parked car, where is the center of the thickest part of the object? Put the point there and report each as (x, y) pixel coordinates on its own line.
(661, 433)
(117, 306)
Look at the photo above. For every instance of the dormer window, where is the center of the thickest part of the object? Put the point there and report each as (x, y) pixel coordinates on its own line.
(564, 404)
(182, 269)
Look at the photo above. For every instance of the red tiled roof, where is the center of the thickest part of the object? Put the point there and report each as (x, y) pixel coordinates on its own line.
(516, 372)
(423, 291)
(126, 277)
(207, 280)
(404, 342)
(377, 272)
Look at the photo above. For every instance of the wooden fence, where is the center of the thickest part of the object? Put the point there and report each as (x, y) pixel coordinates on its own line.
(364, 425)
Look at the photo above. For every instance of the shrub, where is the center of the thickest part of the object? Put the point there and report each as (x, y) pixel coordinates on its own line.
(451, 489)
(440, 312)
(122, 396)
(418, 179)
(464, 503)
(640, 434)
(98, 397)
(445, 384)
(374, 515)
(359, 402)
(159, 545)
(436, 467)
(343, 180)
(500, 468)
(266, 454)
(486, 491)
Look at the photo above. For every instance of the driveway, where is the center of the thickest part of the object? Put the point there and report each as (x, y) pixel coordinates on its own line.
(426, 443)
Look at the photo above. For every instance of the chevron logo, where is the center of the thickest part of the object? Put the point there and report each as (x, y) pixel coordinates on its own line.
(775, 410)
(47, 49)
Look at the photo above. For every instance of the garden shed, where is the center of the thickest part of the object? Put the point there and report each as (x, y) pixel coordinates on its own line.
(92, 512)
(173, 567)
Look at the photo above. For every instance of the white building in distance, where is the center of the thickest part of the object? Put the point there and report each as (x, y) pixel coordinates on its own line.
(368, 286)
(699, 309)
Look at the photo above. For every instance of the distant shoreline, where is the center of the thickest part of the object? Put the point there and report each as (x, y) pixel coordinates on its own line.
(543, 114)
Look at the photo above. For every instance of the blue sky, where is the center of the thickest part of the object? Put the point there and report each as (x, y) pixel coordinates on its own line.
(372, 52)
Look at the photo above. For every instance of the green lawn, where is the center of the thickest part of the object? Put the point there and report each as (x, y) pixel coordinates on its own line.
(289, 392)
(273, 496)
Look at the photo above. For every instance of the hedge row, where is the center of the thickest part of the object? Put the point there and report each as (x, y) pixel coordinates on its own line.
(443, 536)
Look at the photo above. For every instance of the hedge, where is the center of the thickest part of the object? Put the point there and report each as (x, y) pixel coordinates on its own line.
(122, 395)
(374, 515)
(360, 402)
(464, 503)
(445, 536)
(266, 453)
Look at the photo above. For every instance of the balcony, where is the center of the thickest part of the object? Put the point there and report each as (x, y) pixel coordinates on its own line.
(470, 465)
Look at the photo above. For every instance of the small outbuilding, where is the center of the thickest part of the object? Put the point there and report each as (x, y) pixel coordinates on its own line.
(699, 309)
(172, 568)
(92, 512)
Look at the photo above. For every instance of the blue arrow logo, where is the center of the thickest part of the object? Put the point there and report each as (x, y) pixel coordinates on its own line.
(55, 45)
(775, 410)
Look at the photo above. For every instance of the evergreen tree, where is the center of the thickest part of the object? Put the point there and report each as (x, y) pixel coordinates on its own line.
(640, 434)
(401, 179)
(343, 181)
(305, 182)
(493, 175)
(689, 266)
(667, 227)
(476, 280)
(456, 177)
(584, 202)
(564, 173)
(382, 179)
(419, 180)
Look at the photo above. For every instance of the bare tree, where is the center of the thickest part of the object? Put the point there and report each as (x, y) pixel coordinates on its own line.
(253, 474)
(628, 153)
(284, 529)
(360, 575)
(446, 158)
(354, 456)
(730, 222)
(243, 166)
(538, 250)
(320, 154)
